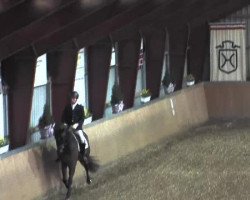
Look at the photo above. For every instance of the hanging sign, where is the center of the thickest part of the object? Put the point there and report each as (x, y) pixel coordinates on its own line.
(227, 52)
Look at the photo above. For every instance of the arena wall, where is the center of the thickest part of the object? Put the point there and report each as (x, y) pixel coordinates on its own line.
(31, 171)
(228, 100)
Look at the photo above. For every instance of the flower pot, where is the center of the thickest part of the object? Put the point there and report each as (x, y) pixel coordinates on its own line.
(189, 83)
(118, 107)
(169, 89)
(4, 149)
(87, 120)
(145, 99)
(47, 131)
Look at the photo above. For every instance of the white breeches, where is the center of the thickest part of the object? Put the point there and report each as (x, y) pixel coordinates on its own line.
(82, 138)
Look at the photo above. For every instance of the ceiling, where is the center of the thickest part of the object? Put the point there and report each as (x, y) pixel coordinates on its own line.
(46, 24)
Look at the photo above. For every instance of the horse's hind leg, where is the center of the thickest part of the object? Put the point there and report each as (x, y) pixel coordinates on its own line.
(84, 162)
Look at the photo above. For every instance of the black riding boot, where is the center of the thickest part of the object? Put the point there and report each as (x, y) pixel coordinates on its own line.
(82, 148)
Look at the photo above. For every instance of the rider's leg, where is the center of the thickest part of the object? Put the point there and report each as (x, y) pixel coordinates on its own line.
(83, 141)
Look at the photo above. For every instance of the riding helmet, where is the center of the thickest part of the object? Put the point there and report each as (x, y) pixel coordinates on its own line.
(74, 94)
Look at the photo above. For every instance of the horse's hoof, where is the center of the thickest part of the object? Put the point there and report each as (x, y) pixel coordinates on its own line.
(89, 181)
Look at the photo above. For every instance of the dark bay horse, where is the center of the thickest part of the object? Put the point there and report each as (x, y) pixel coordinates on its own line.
(68, 152)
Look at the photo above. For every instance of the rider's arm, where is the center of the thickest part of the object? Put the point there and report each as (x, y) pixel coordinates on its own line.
(80, 118)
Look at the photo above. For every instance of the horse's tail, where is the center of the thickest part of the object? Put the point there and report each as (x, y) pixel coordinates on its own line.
(92, 164)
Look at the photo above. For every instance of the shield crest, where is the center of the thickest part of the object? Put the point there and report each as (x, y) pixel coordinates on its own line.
(227, 57)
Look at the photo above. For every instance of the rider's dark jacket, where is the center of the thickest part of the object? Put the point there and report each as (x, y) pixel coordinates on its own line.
(71, 117)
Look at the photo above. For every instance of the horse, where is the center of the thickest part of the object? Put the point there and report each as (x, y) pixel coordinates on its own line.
(68, 154)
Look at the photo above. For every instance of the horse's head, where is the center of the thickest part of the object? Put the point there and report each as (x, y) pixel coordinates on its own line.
(61, 133)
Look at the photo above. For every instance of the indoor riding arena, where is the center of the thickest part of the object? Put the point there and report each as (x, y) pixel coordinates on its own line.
(160, 87)
(192, 144)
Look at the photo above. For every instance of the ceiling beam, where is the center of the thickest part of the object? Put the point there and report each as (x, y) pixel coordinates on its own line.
(146, 22)
(6, 5)
(221, 11)
(212, 10)
(69, 20)
(26, 13)
(86, 34)
(66, 16)
(170, 11)
(127, 18)
(184, 15)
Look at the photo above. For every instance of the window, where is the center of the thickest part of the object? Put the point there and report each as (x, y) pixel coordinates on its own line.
(3, 130)
(40, 90)
(81, 78)
(140, 82)
(112, 75)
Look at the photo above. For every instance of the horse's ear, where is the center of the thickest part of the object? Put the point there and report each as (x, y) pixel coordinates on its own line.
(59, 126)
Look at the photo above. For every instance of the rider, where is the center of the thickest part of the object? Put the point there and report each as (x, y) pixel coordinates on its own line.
(73, 115)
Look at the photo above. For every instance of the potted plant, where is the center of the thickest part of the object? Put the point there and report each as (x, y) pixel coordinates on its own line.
(190, 80)
(87, 116)
(4, 145)
(145, 95)
(116, 99)
(168, 86)
(45, 124)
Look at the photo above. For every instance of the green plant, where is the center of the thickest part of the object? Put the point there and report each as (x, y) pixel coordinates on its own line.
(145, 93)
(190, 77)
(117, 95)
(87, 113)
(4, 141)
(46, 118)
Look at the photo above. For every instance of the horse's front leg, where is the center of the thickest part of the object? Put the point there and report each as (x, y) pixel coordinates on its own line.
(64, 174)
(70, 180)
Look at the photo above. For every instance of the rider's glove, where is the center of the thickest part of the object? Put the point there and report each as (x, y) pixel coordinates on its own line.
(75, 125)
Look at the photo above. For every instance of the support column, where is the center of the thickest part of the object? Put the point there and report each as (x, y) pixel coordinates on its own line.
(155, 47)
(19, 73)
(177, 50)
(198, 45)
(98, 62)
(61, 65)
(128, 55)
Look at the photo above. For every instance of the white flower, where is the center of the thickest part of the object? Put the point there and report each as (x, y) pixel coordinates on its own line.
(170, 88)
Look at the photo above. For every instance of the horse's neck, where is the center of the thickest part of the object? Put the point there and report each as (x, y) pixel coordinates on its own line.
(72, 140)
(75, 137)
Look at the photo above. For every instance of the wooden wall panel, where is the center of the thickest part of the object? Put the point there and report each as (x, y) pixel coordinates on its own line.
(98, 62)
(61, 64)
(198, 45)
(155, 47)
(177, 52)
(128, 55)
(19, 72)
